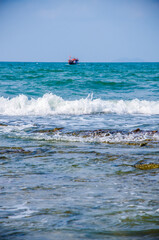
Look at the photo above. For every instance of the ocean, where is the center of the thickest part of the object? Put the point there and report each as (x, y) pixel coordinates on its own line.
(79, 151)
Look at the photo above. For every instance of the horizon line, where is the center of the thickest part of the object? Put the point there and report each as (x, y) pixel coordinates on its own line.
(79, 62)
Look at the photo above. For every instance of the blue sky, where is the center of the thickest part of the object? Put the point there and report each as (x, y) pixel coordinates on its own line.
(92, 30)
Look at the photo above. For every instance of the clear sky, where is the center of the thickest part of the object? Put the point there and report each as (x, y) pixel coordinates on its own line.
(92, 30)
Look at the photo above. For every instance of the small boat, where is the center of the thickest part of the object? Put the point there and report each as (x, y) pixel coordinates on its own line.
(72, 61)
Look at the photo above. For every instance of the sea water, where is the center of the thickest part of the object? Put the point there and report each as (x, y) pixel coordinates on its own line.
(70, 138)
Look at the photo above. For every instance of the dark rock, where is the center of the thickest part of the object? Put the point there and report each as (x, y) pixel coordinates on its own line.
(136, 130)
(3, 125)
(146, 166)
(49, 130)
(143, 144)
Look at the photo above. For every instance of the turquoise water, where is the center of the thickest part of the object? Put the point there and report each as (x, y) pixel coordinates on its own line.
(70, 137)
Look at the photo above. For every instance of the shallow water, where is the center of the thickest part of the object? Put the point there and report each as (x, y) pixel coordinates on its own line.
(70, 139)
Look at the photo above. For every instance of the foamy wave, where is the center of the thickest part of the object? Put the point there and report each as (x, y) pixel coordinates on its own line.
(51, 104)
(99, 136)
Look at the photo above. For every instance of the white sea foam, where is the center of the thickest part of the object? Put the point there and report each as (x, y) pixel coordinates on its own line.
(96, 138)
(51, 104)
(19, 211)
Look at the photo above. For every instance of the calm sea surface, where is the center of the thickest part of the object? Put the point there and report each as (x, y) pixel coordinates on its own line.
(70, 138)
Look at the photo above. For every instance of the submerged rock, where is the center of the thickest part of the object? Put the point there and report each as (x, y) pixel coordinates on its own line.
(136, 130)
(146, 166)
(143, 144)
(3, 125)
(49, 130)
(132, 143)
(8, 150)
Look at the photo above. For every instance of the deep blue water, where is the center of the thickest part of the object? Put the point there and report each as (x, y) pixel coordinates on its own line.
(105, 80)
(70, 137)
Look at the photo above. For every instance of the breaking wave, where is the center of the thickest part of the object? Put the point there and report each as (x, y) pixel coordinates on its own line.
(50, 104)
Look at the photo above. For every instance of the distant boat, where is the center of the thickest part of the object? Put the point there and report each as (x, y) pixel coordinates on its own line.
(72, 61)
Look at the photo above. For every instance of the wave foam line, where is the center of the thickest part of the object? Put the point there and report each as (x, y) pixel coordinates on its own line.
(50, 104)
(95, 137)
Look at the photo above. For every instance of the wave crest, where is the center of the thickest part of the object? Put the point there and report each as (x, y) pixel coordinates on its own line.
(50, 104)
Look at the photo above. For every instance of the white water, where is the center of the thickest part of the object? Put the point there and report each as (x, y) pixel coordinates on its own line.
(50, 104)
(112, 138)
